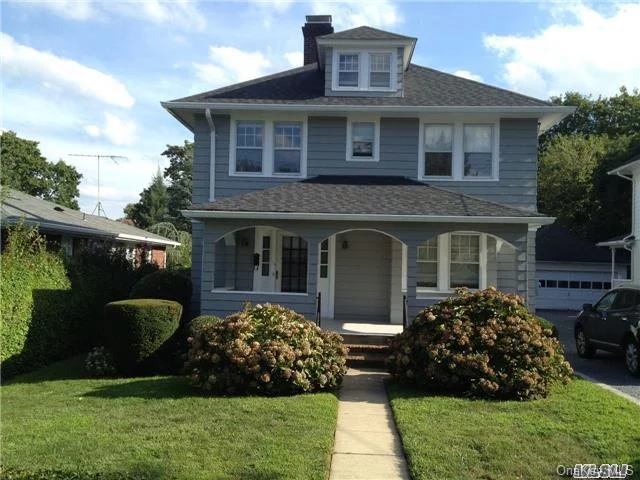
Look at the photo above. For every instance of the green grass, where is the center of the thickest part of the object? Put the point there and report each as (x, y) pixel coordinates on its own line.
(160, 428)
(455, 438)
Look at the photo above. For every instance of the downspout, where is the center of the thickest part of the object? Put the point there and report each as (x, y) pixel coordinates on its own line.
(212, 159)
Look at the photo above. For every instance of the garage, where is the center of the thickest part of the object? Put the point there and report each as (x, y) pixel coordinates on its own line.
(571, 271)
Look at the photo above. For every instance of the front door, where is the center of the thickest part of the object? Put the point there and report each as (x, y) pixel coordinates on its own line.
(326, 275)
(265, 265)
(293, 265)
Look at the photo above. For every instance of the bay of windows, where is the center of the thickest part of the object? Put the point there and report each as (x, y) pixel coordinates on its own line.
(452, 260)
(267, 148)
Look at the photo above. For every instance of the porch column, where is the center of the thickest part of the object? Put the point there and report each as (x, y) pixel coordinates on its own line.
(525, 247)
(413, 305)
(313, 243)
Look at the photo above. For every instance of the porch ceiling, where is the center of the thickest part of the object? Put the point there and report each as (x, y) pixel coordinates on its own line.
(364, 195)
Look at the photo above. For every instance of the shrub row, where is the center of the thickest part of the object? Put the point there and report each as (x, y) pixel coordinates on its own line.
(266, 349)
(484, 343)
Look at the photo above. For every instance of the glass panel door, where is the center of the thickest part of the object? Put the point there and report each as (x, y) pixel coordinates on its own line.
(294, 265)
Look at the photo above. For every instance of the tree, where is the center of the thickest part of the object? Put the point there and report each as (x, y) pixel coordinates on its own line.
(152, 207)
(180, 176)
(25, 169)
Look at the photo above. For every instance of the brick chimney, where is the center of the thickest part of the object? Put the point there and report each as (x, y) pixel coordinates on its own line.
(316, 25)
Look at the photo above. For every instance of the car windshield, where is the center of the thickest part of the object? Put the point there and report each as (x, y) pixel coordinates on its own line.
(607, 301)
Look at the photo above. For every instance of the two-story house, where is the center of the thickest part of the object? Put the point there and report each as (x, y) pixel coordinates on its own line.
(362, 179)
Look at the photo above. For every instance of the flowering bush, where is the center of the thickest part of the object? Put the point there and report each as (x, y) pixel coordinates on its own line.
(99, 363)
(484, 343)
(265, 349)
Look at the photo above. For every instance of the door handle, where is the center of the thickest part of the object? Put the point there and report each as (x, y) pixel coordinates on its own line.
(276, 275)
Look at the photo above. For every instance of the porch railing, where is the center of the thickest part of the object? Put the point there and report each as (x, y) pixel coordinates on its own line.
(319, 309)
(405, 314)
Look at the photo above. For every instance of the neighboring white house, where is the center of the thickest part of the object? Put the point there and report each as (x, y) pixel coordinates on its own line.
(572, 271)
(629, 171)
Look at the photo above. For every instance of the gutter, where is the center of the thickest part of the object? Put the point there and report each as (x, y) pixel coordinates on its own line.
(351, 217)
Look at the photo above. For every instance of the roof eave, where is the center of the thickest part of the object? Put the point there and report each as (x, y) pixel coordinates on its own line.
(243, 215)
(627, 169)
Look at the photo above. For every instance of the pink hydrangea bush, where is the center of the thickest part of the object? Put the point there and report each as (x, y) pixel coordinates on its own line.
(265, 349)
(483, 343)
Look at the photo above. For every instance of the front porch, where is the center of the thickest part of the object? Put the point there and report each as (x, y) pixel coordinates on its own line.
(357, 277)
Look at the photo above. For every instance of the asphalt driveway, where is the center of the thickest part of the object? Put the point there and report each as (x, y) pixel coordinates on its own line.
(605, 368)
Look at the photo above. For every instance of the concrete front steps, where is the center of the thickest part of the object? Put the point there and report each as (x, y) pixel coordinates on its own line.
(366, 350)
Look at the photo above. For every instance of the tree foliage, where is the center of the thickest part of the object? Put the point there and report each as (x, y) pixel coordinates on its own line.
(153, 205)
(179, 173)
(575, 156)
(25, 169)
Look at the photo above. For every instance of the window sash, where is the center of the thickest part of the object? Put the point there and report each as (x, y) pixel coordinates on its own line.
(438, 150)
(478, 150)
(464, 261)
(249, 147)
(363, 135)
(287, 151)
(379, 70)
(348, 70)
(427, 264)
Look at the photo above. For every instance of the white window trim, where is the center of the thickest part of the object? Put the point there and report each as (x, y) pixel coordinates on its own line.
(363, 73)
(376, 141)
(268, 146)
(457, 157)
(444, 264)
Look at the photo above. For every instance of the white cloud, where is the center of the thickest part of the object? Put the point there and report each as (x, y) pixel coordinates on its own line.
(116, 130)
(22, 61)
(230, 65)
(181, 13)
(584, 51)
(468, 75)
(378, 14)
(295, 59)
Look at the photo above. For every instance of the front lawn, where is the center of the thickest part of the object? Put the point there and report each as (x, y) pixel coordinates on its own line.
(160, 428)
(454, 438)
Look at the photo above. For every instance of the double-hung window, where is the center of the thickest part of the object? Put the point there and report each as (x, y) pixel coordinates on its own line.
(287, 147)
(348, 70)
(380, 70)
(363, 139)
(427, 267)
(438, 150)
(464, 268)
(478, 150)
(249, 146)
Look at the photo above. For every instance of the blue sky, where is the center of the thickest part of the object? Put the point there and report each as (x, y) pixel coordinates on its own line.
(87, 76)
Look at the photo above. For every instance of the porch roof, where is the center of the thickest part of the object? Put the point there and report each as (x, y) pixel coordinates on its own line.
(375, 197)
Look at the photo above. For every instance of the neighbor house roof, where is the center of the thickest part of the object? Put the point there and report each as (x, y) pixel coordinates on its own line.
(628, 168)
(375, 197)
(557, 244)
(51, 217)
(364, 33)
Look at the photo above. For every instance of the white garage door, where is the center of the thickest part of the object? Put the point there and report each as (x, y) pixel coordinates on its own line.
(561, 290)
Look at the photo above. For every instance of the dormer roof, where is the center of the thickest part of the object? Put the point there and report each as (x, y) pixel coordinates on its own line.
(365, 33)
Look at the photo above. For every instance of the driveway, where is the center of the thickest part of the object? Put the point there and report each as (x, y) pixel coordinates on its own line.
(605, 368)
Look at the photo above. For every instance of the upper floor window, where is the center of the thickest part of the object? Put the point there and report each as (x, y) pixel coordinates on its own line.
(459, 151)
(438, 150)
(364, 70)
(249, 145)
(348, 70)
(287, 151)
(363, 140)
(268, 147)
(380, 70)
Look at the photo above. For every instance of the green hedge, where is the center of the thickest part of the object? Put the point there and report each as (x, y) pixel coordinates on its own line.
(136, 330)
(39, 322)
(166, 285)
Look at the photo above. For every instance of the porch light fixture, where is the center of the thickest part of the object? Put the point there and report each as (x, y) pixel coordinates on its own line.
(345, 245)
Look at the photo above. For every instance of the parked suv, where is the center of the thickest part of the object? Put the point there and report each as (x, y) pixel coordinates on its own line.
(612, 324)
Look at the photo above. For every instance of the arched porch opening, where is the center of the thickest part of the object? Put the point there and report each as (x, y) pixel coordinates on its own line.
(260, 258)
(361, 276)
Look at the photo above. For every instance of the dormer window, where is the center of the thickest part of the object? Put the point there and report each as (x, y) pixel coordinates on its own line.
(365, 70)
(348, 70)
(380, 70)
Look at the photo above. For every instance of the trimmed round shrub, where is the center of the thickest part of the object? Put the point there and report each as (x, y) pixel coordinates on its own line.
(200, 322)
(266, 349)
(136, 331)
(483, 343)
(166, 285)
(99, 363)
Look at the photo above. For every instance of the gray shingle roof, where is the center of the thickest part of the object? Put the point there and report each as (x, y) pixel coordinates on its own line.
(363, 195)
(56, 218)
(557, 244)
(364, 33)
(422, 87)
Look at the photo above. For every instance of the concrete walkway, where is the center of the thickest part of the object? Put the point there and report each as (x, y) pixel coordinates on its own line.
(367, 445)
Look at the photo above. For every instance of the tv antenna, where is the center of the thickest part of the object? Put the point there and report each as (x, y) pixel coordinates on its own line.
(98, 208)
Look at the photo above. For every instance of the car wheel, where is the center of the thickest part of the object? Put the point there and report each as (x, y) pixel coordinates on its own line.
(583, 346)
(632, 357)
